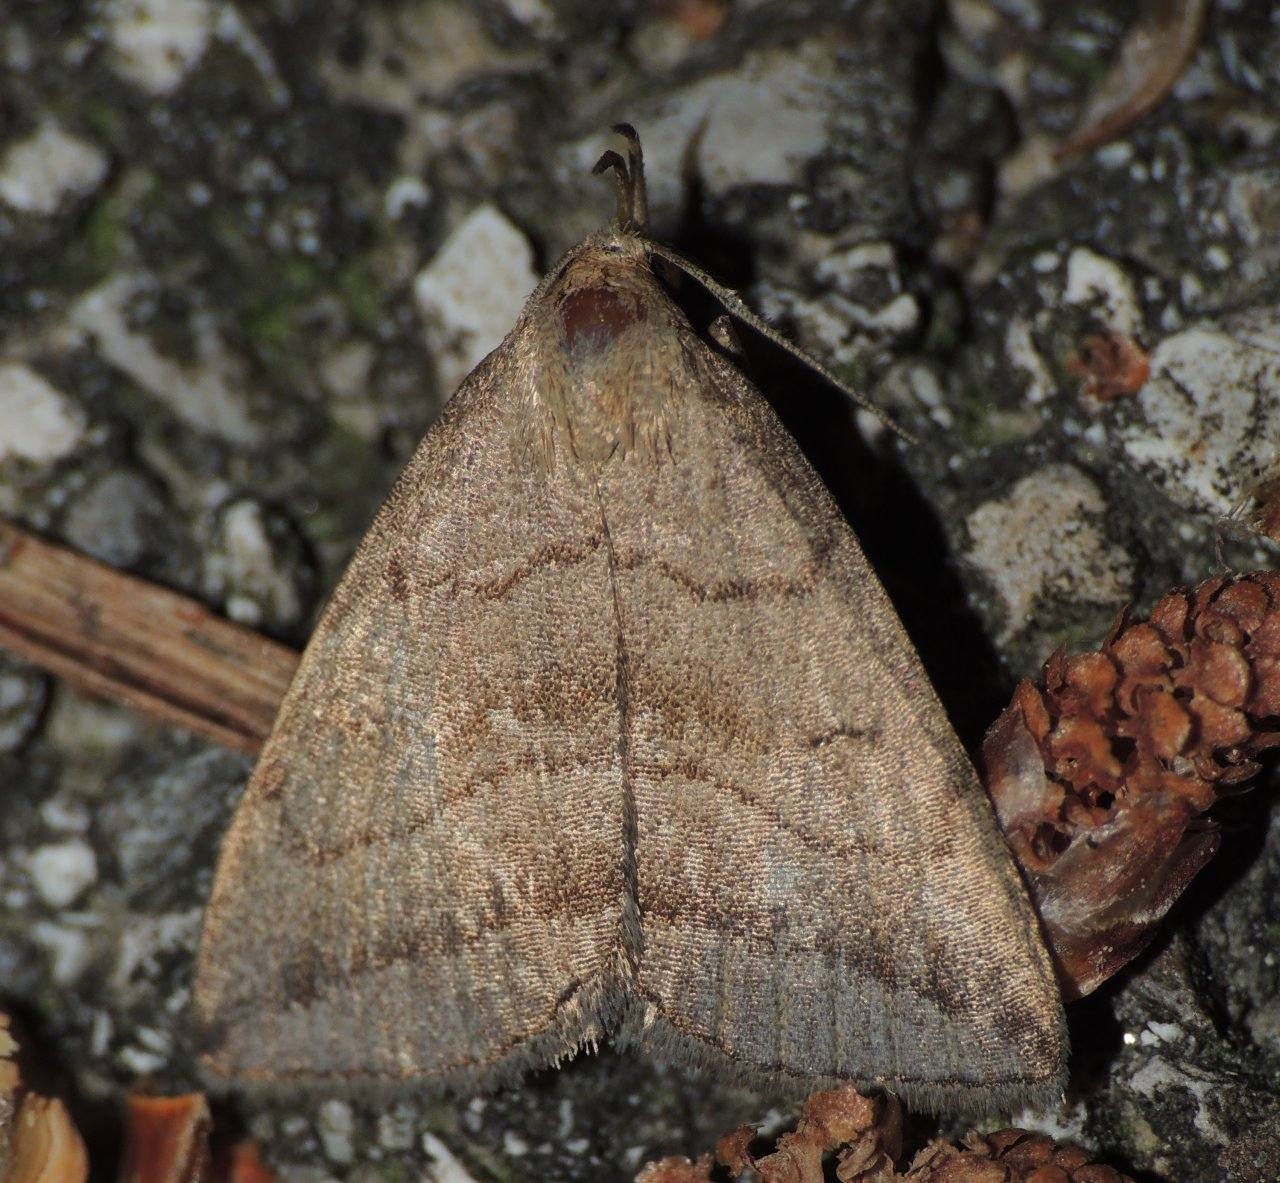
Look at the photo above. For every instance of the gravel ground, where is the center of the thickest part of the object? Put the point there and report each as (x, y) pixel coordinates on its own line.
(248, 250)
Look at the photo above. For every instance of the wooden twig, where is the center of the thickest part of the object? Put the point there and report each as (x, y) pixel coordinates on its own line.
(130, 641)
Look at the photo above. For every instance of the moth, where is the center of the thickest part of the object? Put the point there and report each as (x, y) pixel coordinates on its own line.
(609, 731)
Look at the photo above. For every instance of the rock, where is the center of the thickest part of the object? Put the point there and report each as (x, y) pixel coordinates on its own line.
(1209, 416)
(68, 947)
(212, 394)
(395, 1128)
(37, 422)
(1020, 348)
(336, 1125)
(51, 167)
(157, 43)
(420, 52)
(257, 568)
(445, 1166)
(472, 291)
(116, 518)
(149, 819)
(62, 870)
(1103, 286)
(1044, 540)
(23, 693)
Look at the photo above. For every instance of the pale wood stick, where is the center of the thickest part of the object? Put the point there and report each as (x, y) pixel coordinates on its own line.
(130, 641)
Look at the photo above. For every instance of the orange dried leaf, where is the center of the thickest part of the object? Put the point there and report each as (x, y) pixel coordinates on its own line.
(1110, 365)
(244, 1165)
(166, 1139)
(9, 1075)
(733, 1149)
(45, 1146)
(700, 19)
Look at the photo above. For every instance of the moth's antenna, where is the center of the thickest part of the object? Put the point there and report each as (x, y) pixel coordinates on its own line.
(733, 304)
(622, 185)
(633, 214)
(639, 190)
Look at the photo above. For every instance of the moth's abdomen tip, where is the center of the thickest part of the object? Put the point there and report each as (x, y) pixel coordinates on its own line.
(593, 318)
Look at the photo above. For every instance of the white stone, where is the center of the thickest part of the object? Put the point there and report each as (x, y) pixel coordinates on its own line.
(1020, 349)
(472, 291)
(395, 1128)
(1158, 1075)
(1029, 165)
(1210, 412)
(212, 394)
(1218, 258)
(335, 1126)
(1114, 155)
(537, 15)
(62, 870)
(445, 1167)
(1095, 281)
(757, 124)
(514, 1145)
(405, 193)
(157, 43)
(345, 369)
(64, 812)
(100, 1034)
(144, 937)
(1044, 538)
(1161, 1032)
(154, 1039)
(247, 571)
(48, 168)
(36, 422)
(842, 266)
(415, 51)
(767, 118)
(68, 947)
(900, 315)
(141, 1062)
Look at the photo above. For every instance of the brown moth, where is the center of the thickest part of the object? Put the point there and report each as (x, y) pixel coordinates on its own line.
(609, 730)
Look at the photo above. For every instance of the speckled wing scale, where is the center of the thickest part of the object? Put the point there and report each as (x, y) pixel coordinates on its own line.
(610, 730)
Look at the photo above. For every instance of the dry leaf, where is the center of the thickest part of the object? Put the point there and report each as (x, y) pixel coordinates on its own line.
(1150, 60)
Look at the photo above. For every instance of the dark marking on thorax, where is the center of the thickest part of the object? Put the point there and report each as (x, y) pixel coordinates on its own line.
(593, 318)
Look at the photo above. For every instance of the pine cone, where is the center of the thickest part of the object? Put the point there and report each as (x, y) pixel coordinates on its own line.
(1100, 775)
(866, 1135)
(1010, 1156)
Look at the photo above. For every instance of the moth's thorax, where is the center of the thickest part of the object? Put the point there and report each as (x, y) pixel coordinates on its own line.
(606, 354)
